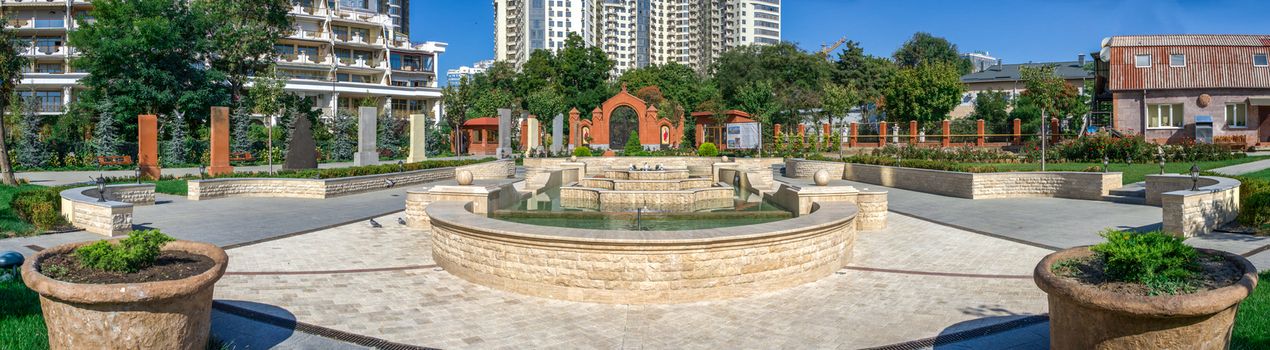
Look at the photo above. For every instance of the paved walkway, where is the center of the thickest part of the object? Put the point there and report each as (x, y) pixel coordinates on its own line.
(1240, 169)
(905, 283)
(233, 221)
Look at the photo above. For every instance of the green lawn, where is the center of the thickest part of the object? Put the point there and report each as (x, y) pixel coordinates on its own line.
(1263, 174)
(21, 324)
(1132, 173)
(176, 187)
(1252, 324)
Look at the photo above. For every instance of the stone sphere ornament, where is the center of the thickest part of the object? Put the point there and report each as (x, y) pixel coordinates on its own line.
(1204, 100)
(464, 177)
(725, 159)
(573, 159)
(821, 177)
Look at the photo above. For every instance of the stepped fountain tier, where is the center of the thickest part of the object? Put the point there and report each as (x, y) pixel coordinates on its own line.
(653, 188)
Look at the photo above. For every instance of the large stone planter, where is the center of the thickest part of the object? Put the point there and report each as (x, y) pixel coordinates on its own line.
(154, 315)
(1082, 317)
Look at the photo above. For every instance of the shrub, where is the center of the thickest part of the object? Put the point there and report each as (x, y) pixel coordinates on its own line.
(920, 164)
(1255, 210)
(40, 207)
(959, 154)
(707, 150)
(1160, 261)
(139, 250)
(45, 217)
(633, 147)
(582, 152)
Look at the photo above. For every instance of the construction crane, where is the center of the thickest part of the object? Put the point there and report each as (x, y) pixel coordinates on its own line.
(826, 49)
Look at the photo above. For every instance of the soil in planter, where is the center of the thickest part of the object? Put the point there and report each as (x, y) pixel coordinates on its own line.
(1215, 272)
(171, 265)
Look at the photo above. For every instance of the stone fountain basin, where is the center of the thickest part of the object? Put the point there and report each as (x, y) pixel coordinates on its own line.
(646, 185)
(663, 174)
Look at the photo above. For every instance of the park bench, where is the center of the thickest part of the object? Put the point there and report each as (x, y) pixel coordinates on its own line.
(241, 157)
(114, 160)
(1232, 142)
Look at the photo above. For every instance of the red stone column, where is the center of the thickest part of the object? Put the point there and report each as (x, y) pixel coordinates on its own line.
(912, 132)
(1018, 131)
(855, 133)
(947, 129)
(1053, 131)
(220, 142)
(573, 127)
(802, 130)
(980, 141)
(148, 146)
(524, 134)
(776, 131)
(881, 134)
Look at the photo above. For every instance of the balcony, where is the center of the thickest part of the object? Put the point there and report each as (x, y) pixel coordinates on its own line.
(49, 108)
(358, 39)
(308, 11)
(362, 62)
(304, 58)
(45, 51)
(302, 34)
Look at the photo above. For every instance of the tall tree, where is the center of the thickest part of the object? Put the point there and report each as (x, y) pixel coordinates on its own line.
(924, 48)
(992, 107)
(545, 103)
(33, 150)
(924, 93)
(794, 76)
(11, 66)
(582, 73)
(868, 75)
(267, 92)
(240, 36)
(106, 140)
(1049, 92)
(457, 100)
(680, 84)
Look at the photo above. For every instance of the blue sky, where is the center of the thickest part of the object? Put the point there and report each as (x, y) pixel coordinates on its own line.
(1016, 31)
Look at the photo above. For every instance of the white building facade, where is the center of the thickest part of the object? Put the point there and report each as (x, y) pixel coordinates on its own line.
(339, 55)
(453, 76)
(637, 33)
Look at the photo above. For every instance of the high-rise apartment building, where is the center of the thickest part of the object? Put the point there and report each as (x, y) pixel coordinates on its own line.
(339, 54)
(453, 76)
(637, 33)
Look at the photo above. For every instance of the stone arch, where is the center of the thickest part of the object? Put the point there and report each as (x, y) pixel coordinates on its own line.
(649, 127)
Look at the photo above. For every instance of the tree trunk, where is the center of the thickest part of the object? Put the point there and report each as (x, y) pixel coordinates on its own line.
(5, 167)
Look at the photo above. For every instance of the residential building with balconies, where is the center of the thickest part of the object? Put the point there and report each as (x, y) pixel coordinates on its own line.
(340, 54)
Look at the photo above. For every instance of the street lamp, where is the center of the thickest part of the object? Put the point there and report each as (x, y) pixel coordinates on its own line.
(138, 174)
(1105, 161)
(1194, 177)
(1159, 152)
(101, 188)
(401, 166)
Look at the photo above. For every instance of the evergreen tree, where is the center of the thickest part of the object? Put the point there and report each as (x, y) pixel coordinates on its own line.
(389, 133)
(105, 139)
(175, 150)
(32, 151)
(343, 144)
(240, 126)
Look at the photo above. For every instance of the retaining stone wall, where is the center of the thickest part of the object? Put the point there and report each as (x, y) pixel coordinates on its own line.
(641, 271)
(1074, 185)
(1191, 213)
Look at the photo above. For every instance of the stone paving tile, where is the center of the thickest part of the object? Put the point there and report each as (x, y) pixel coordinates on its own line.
(850, 309)
(1231, 242)
(1261, 261)
(348, 247)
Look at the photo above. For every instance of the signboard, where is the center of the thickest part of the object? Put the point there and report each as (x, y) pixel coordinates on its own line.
(742, 136)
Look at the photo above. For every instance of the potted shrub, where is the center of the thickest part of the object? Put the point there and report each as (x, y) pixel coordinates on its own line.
(147, 291)
(1143, 291)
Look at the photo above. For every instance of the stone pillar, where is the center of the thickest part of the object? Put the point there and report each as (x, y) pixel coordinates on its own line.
(1053, 131)
(979, 140)
(220, 142)
(532, 134)
(504, 133)
(1017, 126)
(524, 134)
(574, 139)
(367, 131)
(776, 130)
(418, 138)
(802, 133)
(947, 130)
(828, 132)
(855, 134)
(912, 132)
(557, 133)
(881, 134)
(148, 146)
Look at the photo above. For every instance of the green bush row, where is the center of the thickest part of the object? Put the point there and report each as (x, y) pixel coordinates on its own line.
(920, 164)
(40, 207)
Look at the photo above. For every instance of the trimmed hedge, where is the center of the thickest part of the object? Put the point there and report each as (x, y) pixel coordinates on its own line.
(707, 150)
(920, 164)
(41, 207)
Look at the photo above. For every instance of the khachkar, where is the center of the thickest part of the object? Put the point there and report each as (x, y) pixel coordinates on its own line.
(418, 138)
(220, 143)
(301, 151)
(367, 154)
(504, 133)
(557, 134)
(148, 146)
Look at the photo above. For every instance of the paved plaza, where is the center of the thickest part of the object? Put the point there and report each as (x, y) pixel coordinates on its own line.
(913, 280)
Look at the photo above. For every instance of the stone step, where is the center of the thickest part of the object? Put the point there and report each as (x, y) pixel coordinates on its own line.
(1126, 199)
(1131, 190)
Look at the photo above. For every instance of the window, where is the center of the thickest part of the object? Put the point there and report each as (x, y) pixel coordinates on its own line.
(1259, 60)
(45, 101)
(1164, 116)
(1142, 61)
(1237, 115)
(1177, 60)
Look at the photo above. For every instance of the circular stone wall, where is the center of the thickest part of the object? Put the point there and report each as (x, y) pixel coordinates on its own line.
(641, 267)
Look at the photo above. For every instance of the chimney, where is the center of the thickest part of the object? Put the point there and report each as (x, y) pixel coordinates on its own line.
(1081, 59)
(1000, 62)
